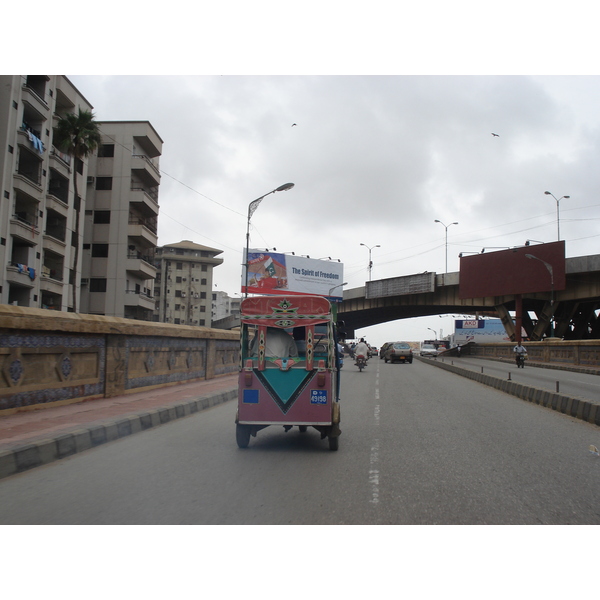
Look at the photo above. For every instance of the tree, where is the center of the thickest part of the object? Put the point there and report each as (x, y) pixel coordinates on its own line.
(77, 135)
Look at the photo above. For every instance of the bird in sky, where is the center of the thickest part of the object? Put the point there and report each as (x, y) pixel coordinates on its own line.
(294, 125)
(495, 135)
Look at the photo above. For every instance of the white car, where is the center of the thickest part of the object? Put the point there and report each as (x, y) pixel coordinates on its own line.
(428, 350)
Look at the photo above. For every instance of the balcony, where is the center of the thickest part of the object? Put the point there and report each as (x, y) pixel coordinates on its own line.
(60, 161)
(20, 274)
(53, 244)
(139, 299)
(144, 201)
(140, 267)
(25, 227)
(144, 230)
(145, 169)
(33, 92)
(51, 281)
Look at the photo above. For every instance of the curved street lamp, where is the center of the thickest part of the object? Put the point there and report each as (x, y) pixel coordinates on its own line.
(370, 261)
(446, 228)
(557, 211)
(251, 208)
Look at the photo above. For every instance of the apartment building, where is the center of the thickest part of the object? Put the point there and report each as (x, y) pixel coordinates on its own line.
(224, 305)
(121, 218)
(37, 211)
(183, 287)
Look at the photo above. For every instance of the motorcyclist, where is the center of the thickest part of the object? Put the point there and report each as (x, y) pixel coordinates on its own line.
(520, 351)
(361, 349)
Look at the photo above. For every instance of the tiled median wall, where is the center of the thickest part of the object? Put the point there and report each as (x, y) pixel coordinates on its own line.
(577, 352)
(59, 358)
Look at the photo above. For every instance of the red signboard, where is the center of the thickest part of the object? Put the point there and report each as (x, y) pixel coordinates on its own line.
(524, 270)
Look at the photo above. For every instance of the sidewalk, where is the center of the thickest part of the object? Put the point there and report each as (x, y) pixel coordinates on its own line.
(35, 437)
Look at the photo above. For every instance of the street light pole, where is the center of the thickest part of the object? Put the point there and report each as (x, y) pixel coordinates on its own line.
(251, 208)
(434, 333)
(557, 211)
(446, 228)
(551, 271)
(370, 261)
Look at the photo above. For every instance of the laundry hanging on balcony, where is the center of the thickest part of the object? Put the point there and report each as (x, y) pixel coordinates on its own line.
(28, 270)
(36, 142)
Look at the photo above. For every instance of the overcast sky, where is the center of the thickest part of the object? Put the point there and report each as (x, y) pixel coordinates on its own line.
(374, 160)
(394, 115)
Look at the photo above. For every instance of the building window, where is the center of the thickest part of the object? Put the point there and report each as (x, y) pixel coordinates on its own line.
(202, 294)
(100, 250)
(101, 217)
(179, 266)
(97, 285)
(177, 293)
(205, 267)
(104, 183)
(178, 307)
(203, 308)
(203, 282)
(177, 279)
(106, 151)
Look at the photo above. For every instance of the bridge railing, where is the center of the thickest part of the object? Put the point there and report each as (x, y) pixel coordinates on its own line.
(53, 358)
(574, 352)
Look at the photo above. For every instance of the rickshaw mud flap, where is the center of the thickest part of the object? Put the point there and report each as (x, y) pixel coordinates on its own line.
(254, 429)
(330, 431)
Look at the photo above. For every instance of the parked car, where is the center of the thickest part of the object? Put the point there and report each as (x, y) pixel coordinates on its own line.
(429, 350)
(398, 352)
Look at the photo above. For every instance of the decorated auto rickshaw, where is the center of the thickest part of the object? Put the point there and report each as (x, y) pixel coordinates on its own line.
(289, 367)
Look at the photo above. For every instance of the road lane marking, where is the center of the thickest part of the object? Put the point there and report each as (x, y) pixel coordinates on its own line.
(374, 457)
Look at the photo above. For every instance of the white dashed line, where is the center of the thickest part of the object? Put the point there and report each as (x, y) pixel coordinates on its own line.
(374, 457)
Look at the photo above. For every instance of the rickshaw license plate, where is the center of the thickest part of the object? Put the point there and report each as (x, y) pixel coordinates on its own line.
(318, 396)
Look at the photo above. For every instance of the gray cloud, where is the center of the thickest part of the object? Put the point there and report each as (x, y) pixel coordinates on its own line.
(374, 159)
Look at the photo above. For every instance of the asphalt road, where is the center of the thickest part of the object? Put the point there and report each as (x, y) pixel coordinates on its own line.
(419, 445)
(570, 383)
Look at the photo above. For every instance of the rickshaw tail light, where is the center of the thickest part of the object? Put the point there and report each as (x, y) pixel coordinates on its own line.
(321, 374)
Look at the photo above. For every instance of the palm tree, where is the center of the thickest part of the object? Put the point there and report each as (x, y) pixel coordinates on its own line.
(77, 135)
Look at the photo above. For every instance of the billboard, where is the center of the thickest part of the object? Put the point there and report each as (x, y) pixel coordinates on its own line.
(512, 272)
(400, 286)
(479, 330)
(274, 273)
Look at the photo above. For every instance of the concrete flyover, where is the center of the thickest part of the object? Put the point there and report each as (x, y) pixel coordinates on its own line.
(575, 308)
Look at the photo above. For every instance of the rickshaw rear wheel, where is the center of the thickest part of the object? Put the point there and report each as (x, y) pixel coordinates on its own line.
(242, 435)
(334, 442)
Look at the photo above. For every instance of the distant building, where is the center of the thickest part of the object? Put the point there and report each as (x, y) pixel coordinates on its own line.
(183, 286)
(224, 305)
(121, 219)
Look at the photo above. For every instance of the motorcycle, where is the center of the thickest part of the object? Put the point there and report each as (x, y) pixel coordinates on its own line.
(521, 361)
(361, 362)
